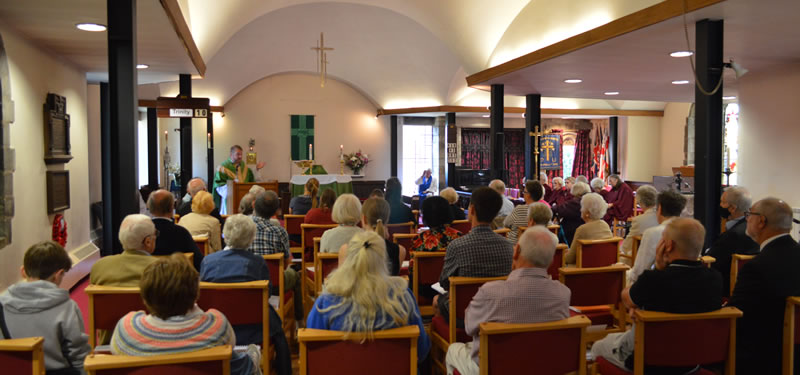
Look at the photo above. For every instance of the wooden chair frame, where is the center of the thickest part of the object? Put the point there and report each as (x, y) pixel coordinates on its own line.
(99, 362)
(492, 328)
(35, 345)
(286, 219)
(456, 223)
(319, 278)
(202, 243)
(789, 327)
(189, 257)
(618, 311)
(401, 236)
(735, 259)
(411, 227)
(503, 232)
(423, 310)
(635, 242)
(285, 307)
(707, 260)
(91, 291)
(552, 228)
(582, 243)
(306, 288)
(305, 335)
(416, 217)
(562, 248)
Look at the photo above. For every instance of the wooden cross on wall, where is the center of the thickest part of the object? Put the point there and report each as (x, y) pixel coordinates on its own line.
(322, 59)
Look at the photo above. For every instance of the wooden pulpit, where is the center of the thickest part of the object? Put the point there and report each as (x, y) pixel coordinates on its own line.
(237, 190)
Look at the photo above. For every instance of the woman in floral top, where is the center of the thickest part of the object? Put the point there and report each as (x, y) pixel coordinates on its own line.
(436, 215)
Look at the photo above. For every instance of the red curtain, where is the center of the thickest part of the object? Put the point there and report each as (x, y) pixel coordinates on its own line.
(514, 143)
(583, 155)
(475, 148)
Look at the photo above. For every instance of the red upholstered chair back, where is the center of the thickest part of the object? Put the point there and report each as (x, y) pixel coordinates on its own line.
(209, 361)
(594, 286)
(598, 253)
(391, 352)
(274, 264)
(308, 232)
(551, 348)
(202, 245)
(108, 304)
(325, 264)
(462, 289)
(400, 228)
(22, 356)
(737, 262)
(428, 266)
(558, 261)
(463, 226)
(404, 240)
(292, 223)
(554, 228)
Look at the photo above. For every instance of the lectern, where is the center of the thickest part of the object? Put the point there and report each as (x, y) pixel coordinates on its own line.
(237, 190)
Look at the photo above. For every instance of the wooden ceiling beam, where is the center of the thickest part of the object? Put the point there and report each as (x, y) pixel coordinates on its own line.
(545, 111)
(173, 10)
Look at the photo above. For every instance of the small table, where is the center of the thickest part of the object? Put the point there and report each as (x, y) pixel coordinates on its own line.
(341, 184)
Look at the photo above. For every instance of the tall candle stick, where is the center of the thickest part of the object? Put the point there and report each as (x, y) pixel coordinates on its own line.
(341, 152)
(310, 151)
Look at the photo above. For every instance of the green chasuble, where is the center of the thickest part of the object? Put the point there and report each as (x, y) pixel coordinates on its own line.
(229, 171)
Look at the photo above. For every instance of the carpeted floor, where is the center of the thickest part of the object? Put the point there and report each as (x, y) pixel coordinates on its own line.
(79, 296)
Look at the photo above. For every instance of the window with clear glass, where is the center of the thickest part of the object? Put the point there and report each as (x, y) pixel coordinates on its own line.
(730, 156)
(418, 154)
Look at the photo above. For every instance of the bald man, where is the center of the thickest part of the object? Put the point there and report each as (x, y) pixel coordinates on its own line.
(194, 186)
(680, 284)
(171, 238)
(762, 287)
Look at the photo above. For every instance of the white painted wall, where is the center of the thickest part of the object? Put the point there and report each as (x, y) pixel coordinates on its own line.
(642, 145)
(343, 117)
(33, 74)
(673, 128)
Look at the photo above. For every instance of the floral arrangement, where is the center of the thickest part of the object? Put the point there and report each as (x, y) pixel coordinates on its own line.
(356, 161)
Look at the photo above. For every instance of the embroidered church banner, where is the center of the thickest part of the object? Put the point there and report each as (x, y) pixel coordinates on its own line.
(302, 136)
(550, 152)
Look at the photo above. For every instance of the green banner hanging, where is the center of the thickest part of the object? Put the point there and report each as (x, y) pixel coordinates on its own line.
(302, 136)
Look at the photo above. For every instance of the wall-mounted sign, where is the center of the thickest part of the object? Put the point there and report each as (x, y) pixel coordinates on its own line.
(183, 107)
(180, 112)
(452, 153)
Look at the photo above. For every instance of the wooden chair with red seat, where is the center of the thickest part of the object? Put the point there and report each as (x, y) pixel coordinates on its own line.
(22, 356)
(107, 305)
(463, 226)
(404, 240)
(285, 303)
(596, 293)
(597, 253)
(324, 264)
(503, 232)
(559, 260)
(202, 244)
(408, 227)
(618, 227)
(551, 348)
(216, 360)
(703, 339)
(427, 267)
(791, 334)
(737, 262)
(189, 257)
(241, 303)
(292, 225)
(389, 352)
(416, 216)
(462, 289)
(554, 228)
(308, 233)
(707, 260)
(635, 242)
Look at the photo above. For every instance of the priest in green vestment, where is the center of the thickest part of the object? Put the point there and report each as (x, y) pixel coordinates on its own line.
(232, 169)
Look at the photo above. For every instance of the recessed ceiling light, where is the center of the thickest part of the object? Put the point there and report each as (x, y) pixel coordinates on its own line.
(681, 53)
(142, 66)
(611, 93)
(573, 80)
(681, 82)
(95, 27)
(728, 97)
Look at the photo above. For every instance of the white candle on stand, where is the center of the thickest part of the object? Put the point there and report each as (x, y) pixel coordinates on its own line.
(310, 152)
(341, 152)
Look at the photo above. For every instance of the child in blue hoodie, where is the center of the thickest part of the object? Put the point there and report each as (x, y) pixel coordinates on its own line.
(36, 306)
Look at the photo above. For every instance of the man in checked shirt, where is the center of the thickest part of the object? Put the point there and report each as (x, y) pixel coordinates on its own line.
(481, 252)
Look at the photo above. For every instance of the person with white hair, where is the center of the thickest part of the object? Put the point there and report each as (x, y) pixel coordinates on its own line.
(539, 214)
(620, 200)
(200, 222)
(734, 203)
(138, 234)
(593, 207)
(582, 178)
(519, 216)
(526, 296)
(569, 212)
(500, 187)
(548, 191)
(427, 184)
(452, 197)
(670, 205)
(194, 186)
(347, 213)
(560, 193)
(599, 187)
(646, 197)
(762, 287)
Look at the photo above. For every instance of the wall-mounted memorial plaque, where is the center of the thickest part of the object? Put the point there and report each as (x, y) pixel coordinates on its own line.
(56, 130)
(57, 191)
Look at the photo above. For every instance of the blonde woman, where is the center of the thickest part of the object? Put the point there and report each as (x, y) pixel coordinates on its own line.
(360, 296)
(347, 213)
(374, 215)
(200, 223)
(300, 204)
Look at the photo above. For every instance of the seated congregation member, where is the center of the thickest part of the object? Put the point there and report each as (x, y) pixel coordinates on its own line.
(762, 287)
(437, 217)
(377, 193)
(452, 198)
(735, 201)
(347, 213)
(194, 186)
(519, 216)
(171, 238)
(583, 179)
(300, 204)
(175, 324)
(527, 296)
(670, 205)
(138, 236)
(539, 214)
(593, 207)
(548, 191)
(479, 253)
(36, 306)
(620, 200)
(374, 214)
(200, 222)
(599, 187)
(500, 187)
(560, 193)
(361, 296)
(569, 212)
(680, 284)
(400, 213)
(237, 264)
(246, 204)
(273, 239)
(322, 214)
(646, 197)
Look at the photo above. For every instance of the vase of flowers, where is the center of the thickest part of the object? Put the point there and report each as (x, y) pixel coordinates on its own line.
(356, 161)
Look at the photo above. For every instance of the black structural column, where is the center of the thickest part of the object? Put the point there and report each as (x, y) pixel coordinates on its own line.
(152, 147)
(394, 145)
(210, 147)
(533, 129)
(185, 92)
(120, 192)
(496, 140)
(613, 123)
(452, 141)
(708, 127)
